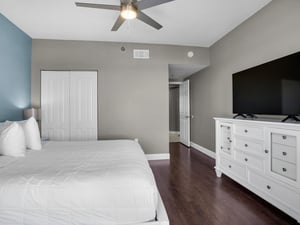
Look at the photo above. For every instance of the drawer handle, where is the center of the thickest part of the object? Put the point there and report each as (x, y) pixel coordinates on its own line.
(284, 169)
(284, 137)
(266, 151)
(246, 159)
(246, 145)
(269, 187)
(221, 126)
(284, 153)
(246, 131)
(230, 141)
(229, 166)
(228, 148)
(221, 147)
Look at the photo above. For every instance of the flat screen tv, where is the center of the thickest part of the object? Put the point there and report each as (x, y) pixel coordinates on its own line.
(272, 88)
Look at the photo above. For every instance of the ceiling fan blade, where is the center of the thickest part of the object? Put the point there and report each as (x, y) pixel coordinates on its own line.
(145, 4)
(148, 20)
(98, 6)
(118, 23)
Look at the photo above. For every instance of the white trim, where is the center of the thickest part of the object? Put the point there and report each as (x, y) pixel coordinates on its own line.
(158, 156)
(175, 82)
(174, 132)
(203, 150)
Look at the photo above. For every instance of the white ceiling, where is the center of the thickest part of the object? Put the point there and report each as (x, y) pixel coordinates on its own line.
(186, 22)
(179, 72)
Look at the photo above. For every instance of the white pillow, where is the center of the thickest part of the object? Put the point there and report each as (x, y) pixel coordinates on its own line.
(32, 133)
(12, 140)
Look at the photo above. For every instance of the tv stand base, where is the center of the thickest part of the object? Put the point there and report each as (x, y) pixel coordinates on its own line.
(248, 115)
(252, 116)
(240, 114)
(293, 117)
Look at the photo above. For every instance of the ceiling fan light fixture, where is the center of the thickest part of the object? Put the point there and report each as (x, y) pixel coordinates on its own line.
(129, 11)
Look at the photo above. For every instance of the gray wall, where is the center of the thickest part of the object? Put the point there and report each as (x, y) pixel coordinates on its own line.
(271, 33)
(132, 94)
(174, 108)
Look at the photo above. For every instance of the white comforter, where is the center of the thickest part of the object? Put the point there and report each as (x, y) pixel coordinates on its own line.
(86, 183)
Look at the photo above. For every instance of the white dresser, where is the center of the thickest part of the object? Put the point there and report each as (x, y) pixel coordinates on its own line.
(264, 157)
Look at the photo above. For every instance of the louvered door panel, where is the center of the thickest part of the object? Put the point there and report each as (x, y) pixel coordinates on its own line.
(83, 105)
(55, 121)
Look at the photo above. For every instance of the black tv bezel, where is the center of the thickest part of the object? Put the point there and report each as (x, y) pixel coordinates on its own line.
(261, 65)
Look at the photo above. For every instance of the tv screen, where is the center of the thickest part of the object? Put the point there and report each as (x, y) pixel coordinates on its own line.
(272, 88)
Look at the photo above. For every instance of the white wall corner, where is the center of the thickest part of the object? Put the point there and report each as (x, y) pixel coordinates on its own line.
(203, 150)
(158, 156)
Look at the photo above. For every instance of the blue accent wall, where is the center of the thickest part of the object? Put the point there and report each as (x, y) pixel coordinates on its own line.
(15, 70)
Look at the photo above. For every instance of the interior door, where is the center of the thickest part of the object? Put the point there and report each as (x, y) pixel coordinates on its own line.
(55, 88)
(83, 105)
(184, 108)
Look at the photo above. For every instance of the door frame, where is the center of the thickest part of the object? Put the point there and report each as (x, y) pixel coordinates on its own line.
(189, 105)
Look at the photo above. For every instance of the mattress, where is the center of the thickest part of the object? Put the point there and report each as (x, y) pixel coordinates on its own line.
(78, 183)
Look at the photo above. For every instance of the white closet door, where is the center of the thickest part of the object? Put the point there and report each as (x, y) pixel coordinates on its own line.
(55, 103)
(83, 105)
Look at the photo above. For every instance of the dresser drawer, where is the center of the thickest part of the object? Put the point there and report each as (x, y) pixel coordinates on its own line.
(234, 168)
(248, 131)
(226, 142)
(284, 139)
(226, 132)
(249, 160)
(284, 153)
(226, 129)
(284, 168)
(225, 147)
(249, 146)
(275, 190)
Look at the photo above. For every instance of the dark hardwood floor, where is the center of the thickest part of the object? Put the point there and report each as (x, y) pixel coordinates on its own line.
(193, 195)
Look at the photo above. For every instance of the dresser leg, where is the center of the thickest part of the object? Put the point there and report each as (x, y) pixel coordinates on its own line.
(218, 172)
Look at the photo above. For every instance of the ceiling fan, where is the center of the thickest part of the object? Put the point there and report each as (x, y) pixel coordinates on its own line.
(129, 9)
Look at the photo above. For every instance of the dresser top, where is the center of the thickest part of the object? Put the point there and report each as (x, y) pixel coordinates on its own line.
(267, 121)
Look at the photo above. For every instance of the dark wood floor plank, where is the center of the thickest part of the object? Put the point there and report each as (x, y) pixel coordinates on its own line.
(193, 195)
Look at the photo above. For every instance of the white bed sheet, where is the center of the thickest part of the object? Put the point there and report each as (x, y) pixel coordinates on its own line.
(86, 183)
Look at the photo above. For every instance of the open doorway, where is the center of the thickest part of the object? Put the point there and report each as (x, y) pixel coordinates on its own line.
(179, 102)
(179, 112)
(174, 122)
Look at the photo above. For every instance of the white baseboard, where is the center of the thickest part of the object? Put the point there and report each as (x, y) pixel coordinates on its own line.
(158, 156)
(203, 150)
(174, 132)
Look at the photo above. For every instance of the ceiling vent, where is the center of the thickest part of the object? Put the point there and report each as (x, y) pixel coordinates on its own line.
(141, 54)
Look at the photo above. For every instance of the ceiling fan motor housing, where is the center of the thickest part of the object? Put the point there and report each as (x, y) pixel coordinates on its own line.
(129, 11)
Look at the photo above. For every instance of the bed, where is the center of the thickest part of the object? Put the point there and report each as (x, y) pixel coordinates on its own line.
(80, 183)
